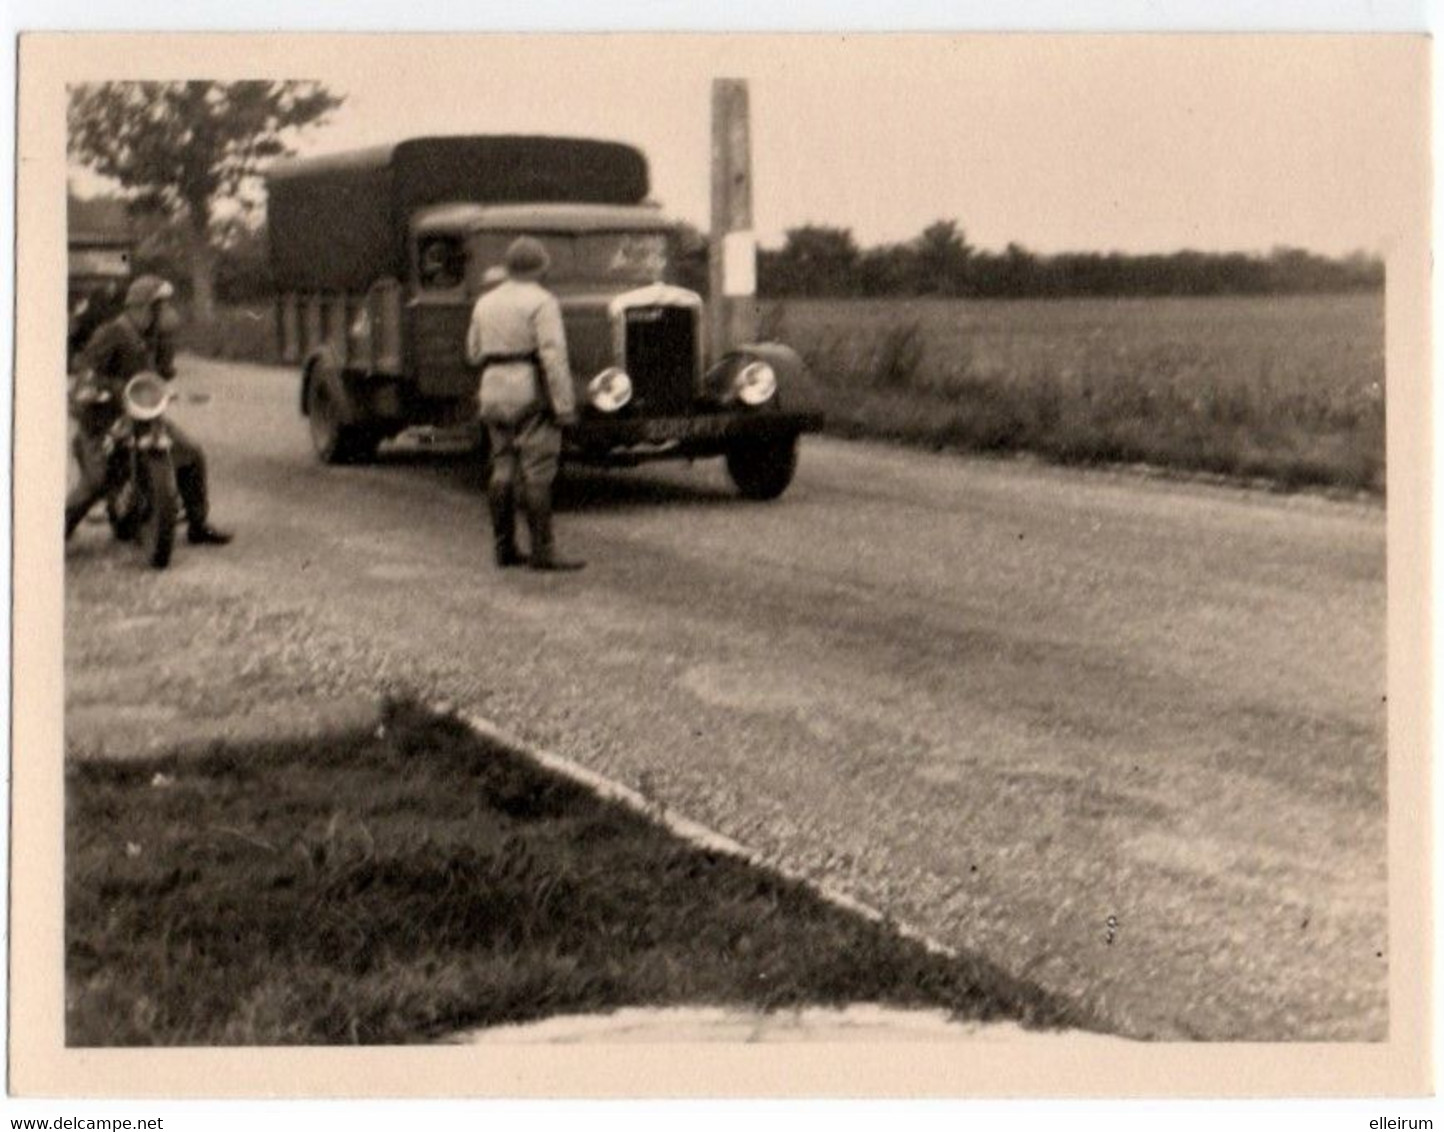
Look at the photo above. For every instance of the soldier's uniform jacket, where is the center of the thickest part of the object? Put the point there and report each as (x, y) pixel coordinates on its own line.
(93, 312)
(116, 352)
(516, 331)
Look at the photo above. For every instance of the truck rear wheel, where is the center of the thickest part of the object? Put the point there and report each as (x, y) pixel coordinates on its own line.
(762, 469)
(333, 441)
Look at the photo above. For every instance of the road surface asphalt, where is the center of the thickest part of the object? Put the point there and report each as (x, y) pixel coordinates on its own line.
(1122, 735)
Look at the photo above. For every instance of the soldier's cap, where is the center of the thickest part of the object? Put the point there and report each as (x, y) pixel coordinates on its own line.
(526, 258)
(148, 289)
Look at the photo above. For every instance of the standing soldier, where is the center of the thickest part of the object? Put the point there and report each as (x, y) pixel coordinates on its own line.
(139, 338)
(526, 398)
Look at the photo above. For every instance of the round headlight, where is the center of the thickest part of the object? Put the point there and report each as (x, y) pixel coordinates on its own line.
(609, 390)
(755, 383)
(145, 397)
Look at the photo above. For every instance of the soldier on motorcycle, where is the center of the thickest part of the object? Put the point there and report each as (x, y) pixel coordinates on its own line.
(139, 338)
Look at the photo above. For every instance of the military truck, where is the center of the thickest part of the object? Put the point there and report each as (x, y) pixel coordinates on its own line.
(101, 247)
(379, 256)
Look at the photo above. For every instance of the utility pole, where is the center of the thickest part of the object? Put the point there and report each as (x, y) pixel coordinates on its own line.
(733, 258)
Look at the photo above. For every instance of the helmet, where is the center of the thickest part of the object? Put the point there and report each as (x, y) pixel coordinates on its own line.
(148, 289)
(526, 258)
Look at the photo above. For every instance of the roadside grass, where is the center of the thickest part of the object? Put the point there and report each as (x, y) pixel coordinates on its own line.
(1289, 389)
(401, 883)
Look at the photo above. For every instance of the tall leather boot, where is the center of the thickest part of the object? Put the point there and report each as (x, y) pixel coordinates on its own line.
(190, 482)
(502, 501)
(90, 491)
(539, 521)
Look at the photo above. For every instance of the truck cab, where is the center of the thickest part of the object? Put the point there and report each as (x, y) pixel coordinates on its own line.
(381, 343)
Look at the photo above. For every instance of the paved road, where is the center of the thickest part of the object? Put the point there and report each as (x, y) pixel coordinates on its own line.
(1123, 736)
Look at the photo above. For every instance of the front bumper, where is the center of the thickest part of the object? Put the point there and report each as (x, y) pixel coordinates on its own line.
(707, 434)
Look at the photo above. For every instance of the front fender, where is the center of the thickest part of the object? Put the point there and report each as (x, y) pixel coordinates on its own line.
(323, 365)
(797, 389)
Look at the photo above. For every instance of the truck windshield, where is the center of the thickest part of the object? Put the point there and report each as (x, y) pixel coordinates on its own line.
(602, 257)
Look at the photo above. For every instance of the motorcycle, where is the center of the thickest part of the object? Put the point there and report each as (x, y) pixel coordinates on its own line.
(142, 501)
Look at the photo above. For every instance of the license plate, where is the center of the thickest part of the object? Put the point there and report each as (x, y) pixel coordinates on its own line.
(698, 428)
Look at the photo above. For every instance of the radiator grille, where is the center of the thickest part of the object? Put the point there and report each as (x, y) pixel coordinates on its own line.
(661, 358)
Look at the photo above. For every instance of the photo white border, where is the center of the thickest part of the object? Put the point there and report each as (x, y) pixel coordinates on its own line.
(546, 15)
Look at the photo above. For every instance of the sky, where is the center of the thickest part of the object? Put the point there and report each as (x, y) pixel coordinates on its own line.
(1143, 143)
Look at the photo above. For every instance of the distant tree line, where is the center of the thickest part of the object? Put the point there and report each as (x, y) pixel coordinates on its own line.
(823, 262)
(819, 261)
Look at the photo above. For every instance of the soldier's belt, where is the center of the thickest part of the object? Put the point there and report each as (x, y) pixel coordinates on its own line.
(532, 358)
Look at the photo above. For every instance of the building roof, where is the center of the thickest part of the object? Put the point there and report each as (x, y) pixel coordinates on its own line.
(98, 221)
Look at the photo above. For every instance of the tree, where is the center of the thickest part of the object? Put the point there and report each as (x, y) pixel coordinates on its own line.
(815, 260)
(191, 151)
(886, 270)
(942, 258)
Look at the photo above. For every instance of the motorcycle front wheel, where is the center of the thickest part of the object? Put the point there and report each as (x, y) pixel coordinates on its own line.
(120, 510)
(159, 507)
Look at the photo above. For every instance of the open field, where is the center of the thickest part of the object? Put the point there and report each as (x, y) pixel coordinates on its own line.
(1284, 388)
(1289, 388)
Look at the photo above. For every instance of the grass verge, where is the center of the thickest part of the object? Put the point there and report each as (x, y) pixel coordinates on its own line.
(400, 883)
(1077, 430)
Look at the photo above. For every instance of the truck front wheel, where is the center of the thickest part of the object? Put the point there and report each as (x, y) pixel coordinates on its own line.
(333, 441)
(762, 469)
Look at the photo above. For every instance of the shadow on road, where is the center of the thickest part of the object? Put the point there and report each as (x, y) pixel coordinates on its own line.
(579, 488)
(590, 489)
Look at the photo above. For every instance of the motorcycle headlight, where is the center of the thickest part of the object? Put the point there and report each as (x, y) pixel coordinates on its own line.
(755, 383)
(609, 390)
(145, 397)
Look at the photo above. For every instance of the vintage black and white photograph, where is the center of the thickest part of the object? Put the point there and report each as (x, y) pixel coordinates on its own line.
(794, 541)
